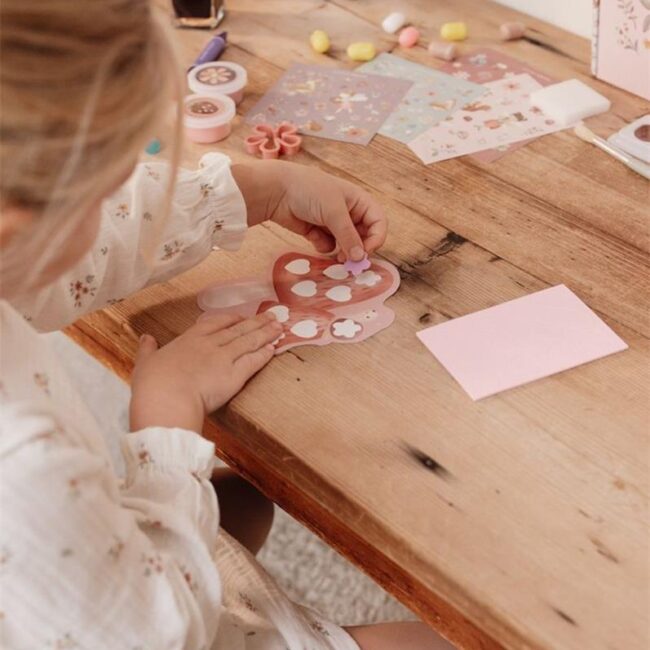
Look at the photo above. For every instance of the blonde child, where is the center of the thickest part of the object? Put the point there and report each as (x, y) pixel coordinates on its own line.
(88, 562)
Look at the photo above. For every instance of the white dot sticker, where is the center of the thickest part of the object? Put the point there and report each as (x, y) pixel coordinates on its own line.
(298, 267)
(340, 293)
(368, 278)
(281, 313)
(346, 329)
(305, 329)
(304, 289)
(336, 272)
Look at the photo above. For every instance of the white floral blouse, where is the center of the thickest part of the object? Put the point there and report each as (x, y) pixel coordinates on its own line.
(88, 562)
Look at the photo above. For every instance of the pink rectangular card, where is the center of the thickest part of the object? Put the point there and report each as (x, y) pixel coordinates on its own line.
(330, 102)
(483, 66)
(520, 341)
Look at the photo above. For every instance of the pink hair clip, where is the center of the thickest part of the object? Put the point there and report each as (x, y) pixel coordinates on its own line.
(272, 142)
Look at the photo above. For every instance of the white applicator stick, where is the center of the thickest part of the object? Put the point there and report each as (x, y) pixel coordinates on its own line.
(589, 136)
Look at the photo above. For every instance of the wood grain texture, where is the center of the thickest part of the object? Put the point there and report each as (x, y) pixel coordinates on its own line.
(520, 521)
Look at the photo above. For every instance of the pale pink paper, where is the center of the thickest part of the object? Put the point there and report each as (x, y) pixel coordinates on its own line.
(501, 116)
(520, 341)
(484, 66)
(332, 306)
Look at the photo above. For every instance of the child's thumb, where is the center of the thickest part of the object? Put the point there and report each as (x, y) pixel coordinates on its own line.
(146, 347)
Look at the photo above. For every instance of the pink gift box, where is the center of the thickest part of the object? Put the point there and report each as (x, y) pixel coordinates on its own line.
(621, 44)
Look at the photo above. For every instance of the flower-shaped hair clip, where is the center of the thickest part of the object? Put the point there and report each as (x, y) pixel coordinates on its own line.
(270, 142)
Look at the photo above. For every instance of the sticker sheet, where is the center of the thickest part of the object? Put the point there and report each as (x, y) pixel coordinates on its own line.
(483, 66)
(330, 103)
(315, 298)
(520, 341)
(500, 117)
(433, 96)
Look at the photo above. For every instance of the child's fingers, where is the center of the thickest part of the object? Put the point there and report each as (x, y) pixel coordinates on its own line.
(376, 235)
(209, 323)
(228, 335)
(321, 241)
(254, 340)
(248, 364)
(146, 347)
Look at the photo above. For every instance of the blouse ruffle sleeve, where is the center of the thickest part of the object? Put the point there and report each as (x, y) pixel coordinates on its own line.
(208, 211)
(87, 564)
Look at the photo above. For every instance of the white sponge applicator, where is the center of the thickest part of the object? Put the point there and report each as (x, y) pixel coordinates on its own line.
(569, 101)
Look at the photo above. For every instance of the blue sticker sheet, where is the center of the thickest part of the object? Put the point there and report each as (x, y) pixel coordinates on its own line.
(433, 96)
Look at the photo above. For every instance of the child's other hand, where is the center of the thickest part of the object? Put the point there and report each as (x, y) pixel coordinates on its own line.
(325, 209)
(177, 385)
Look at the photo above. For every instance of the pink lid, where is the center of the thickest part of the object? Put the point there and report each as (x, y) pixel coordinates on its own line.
(200, 111)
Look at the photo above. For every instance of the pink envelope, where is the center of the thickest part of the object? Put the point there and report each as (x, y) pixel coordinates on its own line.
(519, 341)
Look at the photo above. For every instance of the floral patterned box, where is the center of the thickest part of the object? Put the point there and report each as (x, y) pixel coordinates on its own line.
(621, 44)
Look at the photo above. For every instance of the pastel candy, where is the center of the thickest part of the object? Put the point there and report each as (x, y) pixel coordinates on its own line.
(393, 22)
(454, 31)
(320, 41)
(408, 37)
(512, 31)
(361, 51)
(445, 51)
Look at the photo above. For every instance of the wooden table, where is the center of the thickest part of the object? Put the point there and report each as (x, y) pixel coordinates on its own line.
(519, 521)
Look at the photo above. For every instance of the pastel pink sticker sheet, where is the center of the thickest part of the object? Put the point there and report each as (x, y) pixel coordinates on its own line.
(330, 102)
(520, 341)
(317, 300)
(500, 117)
(483, 66)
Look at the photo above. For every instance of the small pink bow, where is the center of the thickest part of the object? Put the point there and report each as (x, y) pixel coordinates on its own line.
(272, 142)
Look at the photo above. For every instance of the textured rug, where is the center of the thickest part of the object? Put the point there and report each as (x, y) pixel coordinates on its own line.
(309, 571)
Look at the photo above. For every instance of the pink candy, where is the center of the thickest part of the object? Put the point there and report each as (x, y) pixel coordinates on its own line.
(408, 37)
(445, 51)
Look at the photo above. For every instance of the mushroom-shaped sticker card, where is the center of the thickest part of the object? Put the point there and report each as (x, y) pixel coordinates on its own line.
(317, 300)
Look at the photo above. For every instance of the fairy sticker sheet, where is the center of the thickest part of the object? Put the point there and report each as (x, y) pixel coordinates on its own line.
(317, 300)
(502, 116)
(484, 66)
(330, 103)
(433, 96)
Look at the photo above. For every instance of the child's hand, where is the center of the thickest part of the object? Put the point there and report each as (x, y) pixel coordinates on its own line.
(177, 385)
(325, 209)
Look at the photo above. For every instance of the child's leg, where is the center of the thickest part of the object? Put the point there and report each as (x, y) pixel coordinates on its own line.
(398, 636)
(244, 512)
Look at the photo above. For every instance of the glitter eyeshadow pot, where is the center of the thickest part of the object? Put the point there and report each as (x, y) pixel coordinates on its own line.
(208, 119)
(218, 77)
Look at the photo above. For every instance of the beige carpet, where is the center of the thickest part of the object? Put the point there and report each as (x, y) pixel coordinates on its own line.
(308, 570)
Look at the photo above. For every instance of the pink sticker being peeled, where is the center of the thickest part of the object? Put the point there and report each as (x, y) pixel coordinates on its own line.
(317, 300)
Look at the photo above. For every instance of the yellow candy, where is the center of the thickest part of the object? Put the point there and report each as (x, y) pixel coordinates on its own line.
(454, 31)
(320, 41)
(361, 51)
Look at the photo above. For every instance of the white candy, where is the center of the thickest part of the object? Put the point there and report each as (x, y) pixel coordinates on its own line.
(393, 22)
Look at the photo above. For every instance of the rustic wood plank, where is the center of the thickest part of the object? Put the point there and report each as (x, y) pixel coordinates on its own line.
(532, 521)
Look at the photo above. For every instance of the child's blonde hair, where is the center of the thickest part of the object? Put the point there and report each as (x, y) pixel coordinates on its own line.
(83, 85)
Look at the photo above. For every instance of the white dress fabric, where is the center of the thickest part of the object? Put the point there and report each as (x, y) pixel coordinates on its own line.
(90, 562)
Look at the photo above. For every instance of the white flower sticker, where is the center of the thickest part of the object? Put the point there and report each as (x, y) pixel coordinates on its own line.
(368, 278)
(340, 293)
(305, 329)
(346, 329)
(298, 267)
(281, 313)
(305, 289)
(336, 272)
